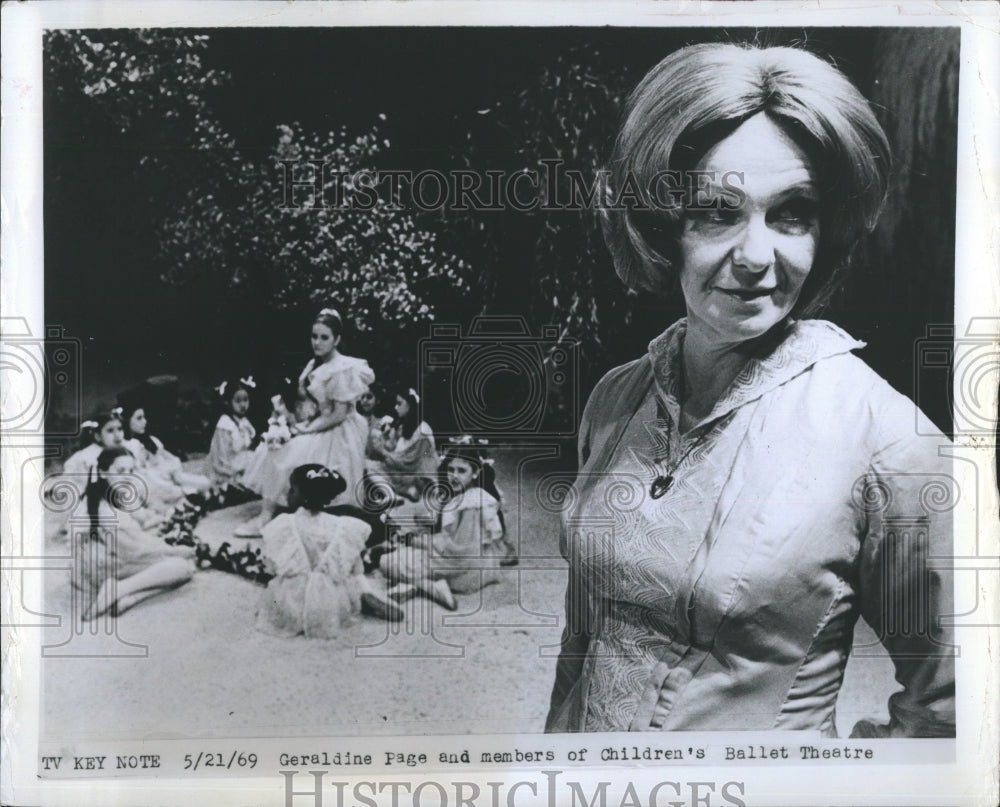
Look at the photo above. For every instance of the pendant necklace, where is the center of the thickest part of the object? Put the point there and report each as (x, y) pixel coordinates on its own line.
(664, 481)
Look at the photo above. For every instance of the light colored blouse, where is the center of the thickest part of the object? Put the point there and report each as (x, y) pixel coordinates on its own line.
(805, 499)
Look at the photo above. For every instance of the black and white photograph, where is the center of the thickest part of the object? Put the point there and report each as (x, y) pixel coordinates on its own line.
(446, 396)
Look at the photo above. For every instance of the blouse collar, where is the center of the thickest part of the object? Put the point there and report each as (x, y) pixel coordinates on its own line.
(794, 350)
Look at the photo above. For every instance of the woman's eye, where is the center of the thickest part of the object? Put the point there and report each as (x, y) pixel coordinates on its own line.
(717, 215)
(798, 214)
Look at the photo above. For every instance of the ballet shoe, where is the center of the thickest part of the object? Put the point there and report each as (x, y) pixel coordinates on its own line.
(440, 592)
(248, 529)
(375, 606)
(401, 592)
(100, 604)
(510, 558)
(122, 605)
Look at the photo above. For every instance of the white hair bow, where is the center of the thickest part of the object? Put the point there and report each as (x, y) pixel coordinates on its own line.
(413, 394)
(317, 473)
(89, 424)
(249, 382)
(221, 389)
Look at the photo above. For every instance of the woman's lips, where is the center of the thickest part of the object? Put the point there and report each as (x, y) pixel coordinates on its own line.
(746, 295)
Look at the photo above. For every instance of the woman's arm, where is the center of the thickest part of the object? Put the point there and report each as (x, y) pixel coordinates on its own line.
(327, 419)
(905, 585)
(575, 644)
(304, 377)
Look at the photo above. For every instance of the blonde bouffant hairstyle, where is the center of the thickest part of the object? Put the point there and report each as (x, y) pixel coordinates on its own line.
(699, 95)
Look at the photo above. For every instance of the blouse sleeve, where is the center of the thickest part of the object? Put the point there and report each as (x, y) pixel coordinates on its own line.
(577, 629)
(222, 451)
(354, 533)
(620, 392)
(905, 583)
(490, 515)
(350, 383)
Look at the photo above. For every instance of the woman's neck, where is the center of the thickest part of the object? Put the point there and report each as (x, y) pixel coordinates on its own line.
(329, 357)
(708, 367)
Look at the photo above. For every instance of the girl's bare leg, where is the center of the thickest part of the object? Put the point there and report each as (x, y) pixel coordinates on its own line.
(251, 528)
(167, 574)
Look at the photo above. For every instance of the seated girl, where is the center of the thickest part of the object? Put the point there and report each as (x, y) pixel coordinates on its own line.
(405, 459)
(464, 553)
(101, 431)
(169, 484)
(230, 454)
(66, 489)
(315, 557)
(119, 564)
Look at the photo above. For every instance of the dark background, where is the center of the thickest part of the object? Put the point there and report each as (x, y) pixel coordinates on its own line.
(103, 279)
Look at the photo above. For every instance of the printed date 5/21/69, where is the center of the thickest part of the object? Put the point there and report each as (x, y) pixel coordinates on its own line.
(217, 759)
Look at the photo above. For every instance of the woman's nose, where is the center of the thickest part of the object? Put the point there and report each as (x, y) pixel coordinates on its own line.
(755, 249)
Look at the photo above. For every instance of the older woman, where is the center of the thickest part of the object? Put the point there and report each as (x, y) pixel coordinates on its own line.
(748, 488)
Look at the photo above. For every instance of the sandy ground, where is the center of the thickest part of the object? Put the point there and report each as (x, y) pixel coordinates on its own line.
(191, 664)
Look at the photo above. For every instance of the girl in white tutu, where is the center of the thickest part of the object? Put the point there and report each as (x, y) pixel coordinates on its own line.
(328, 429)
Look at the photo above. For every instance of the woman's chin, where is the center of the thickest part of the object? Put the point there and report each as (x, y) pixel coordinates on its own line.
(746, 329)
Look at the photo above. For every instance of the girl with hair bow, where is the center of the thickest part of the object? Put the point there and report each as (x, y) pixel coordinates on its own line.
(230, 452)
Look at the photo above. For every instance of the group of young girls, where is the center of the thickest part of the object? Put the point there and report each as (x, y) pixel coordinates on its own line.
(358, 512)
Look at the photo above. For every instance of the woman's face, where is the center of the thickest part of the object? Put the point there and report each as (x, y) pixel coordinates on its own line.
(461, 474)
(137, 423)
(742, 270)
(323, 341)
(111, 434)
(402, 406)
(240, 402)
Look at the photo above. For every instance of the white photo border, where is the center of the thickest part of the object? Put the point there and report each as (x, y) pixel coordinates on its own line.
(970, 779)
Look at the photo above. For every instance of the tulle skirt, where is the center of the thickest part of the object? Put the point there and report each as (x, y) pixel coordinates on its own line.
(340, 449)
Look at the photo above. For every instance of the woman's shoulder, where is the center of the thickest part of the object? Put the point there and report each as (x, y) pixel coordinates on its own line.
(843, 383)
(637, 368)
(619, 387)
(346, 364)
